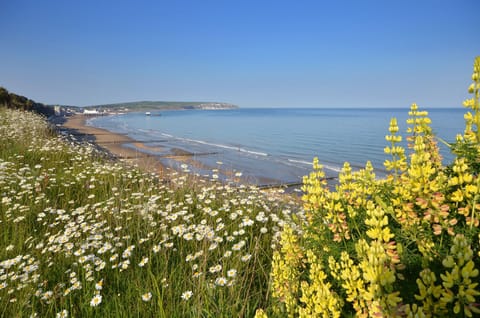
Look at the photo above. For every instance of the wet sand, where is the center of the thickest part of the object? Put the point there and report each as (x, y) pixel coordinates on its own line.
(114, 144)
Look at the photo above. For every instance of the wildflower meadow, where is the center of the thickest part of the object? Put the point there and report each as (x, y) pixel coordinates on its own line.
(84, 236)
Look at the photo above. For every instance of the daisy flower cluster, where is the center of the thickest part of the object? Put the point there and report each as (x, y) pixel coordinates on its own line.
(83, 235)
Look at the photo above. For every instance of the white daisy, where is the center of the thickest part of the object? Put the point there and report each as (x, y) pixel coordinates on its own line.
(96, 300)
(221, 281)
(147, 296)
(232, 273)
(187, 295)
(99, 285)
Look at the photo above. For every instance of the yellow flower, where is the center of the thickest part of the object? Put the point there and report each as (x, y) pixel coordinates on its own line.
(457, 196)
(286, 269)
(259, 313)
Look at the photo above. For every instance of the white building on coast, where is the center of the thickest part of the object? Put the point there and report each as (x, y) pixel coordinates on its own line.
(91, 112)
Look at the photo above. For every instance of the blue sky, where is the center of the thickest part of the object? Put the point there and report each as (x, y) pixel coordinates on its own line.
(251, 53)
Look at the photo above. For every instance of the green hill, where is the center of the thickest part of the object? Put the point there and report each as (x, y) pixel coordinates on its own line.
(162, 105)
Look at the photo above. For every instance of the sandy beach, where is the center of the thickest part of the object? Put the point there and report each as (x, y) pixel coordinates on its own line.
(114, 144)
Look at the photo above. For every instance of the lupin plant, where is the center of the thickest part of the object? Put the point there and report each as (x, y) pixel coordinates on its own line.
(286, 268)
(398, 164)
(407, 245)
(467, 145)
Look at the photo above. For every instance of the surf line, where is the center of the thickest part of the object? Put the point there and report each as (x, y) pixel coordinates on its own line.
(240, 149)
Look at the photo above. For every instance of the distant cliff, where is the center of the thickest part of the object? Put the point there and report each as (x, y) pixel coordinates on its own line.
(161, 105)
(216, 106)
(11, 100)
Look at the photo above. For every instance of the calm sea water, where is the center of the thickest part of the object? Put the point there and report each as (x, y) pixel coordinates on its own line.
(274, 145)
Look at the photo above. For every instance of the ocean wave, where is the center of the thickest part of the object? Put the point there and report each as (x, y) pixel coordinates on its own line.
(309, 163)
(332, 168)
(263, 154)
(229, 147)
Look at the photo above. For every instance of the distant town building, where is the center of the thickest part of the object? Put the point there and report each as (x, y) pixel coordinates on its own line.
(90, 112)
(59, 111)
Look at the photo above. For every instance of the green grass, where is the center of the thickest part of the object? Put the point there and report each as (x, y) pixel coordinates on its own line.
(72, 221)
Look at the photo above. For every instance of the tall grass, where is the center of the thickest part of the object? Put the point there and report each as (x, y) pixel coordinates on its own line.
(82, 236)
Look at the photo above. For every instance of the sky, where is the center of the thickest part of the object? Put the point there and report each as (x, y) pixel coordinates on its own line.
(299, 53)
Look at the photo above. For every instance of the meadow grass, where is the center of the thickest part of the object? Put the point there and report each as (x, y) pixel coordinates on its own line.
(83, 236)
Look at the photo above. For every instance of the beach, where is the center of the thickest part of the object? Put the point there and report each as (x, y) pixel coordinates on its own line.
(114, 144)
(140, 155)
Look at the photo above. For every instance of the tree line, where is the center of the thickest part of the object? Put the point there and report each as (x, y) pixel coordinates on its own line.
(14, 101)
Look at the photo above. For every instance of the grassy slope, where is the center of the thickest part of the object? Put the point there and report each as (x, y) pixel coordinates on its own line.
(76, 228)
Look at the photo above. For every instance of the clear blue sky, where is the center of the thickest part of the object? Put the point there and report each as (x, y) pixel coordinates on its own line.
(251, 53)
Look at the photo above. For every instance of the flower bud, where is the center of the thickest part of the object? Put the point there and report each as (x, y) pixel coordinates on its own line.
(471, 88)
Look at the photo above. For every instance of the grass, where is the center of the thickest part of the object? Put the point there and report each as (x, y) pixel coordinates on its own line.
(83, 236)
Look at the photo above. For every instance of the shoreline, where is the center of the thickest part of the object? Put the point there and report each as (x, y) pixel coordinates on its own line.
(113, 143)
(128, 150)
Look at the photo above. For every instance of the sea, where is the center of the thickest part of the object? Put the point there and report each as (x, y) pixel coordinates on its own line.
(271, 146)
